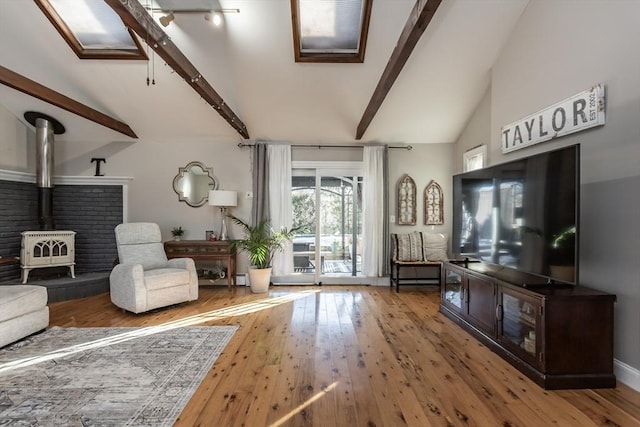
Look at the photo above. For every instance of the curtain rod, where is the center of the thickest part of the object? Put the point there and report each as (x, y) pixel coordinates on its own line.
(320, 146)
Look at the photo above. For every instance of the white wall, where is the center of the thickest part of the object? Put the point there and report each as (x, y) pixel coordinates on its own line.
(476, 132)
(425, 162)
(13, 143)
(558, 49)
(153, 165)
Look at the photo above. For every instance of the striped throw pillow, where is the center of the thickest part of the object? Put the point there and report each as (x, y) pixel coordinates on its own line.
(408, 247)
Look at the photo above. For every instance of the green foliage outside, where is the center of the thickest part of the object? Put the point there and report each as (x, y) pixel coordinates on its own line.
(304, 211)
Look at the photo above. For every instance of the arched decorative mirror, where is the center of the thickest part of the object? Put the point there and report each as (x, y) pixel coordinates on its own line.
(193, 182)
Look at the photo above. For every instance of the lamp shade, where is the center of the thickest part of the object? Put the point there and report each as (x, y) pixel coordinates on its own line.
(223, 198)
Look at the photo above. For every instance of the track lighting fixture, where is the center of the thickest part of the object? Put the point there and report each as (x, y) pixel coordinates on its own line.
(213, 16)
(166, 19)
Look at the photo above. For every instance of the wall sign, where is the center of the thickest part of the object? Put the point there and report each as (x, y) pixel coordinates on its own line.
(574, 114)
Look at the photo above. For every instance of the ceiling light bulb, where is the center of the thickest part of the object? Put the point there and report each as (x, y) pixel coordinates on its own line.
(215, 18)
(166, 19)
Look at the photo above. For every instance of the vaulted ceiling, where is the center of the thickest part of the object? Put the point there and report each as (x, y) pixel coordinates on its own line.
(249, 61)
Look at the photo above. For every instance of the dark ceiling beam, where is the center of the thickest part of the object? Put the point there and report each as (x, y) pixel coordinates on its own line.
(419, 18)
(35, 89)
(136, 17)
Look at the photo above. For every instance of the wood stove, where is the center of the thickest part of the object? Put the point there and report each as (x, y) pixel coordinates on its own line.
(41, 249)
(46, 247)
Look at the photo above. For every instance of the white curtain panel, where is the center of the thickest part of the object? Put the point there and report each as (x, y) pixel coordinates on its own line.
(373, 234)
(280, 213)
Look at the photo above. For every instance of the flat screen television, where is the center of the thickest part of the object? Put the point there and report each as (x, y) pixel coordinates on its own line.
(522, 215)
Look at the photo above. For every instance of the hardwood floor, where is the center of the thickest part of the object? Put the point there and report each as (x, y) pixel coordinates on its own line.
(355, 356)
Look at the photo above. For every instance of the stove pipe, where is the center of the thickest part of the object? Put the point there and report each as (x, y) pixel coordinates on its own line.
(45, 128)
(44, 173)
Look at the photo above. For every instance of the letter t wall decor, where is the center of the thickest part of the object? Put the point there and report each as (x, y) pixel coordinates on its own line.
(406, 201)
(433, 204)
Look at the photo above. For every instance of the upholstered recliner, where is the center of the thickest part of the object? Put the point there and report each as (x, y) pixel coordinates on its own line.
(145, 279)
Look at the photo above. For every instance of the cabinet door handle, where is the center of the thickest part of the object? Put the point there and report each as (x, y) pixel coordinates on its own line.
(499, 312)
(462, 295)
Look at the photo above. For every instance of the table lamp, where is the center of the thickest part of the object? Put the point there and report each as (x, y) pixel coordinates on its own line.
(224, 199)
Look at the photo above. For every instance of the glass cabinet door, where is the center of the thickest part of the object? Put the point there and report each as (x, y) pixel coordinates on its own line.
(452, 289)
(519, 324)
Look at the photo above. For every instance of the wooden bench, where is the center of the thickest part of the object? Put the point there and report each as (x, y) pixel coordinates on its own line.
(9, 261)
(432, 266)
(421, 252)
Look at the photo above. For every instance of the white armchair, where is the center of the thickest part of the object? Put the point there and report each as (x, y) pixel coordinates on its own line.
(145, 279)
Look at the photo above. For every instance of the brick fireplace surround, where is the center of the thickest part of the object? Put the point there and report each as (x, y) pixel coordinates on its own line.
(90, 206)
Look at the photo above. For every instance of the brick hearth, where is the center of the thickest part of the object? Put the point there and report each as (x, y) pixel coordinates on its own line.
(92, 211)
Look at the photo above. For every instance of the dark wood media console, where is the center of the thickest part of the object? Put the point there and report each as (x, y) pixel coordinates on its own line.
(561, 337)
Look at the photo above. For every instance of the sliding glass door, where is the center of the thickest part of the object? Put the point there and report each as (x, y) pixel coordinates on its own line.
(327, 199)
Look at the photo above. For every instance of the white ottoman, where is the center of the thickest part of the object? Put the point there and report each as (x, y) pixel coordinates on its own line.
(23, 311)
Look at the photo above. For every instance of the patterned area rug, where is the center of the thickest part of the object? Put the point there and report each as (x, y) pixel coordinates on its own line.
(106, 376)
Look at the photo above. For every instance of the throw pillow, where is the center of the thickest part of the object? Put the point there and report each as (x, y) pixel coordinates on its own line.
(408, 247)
(435, 246)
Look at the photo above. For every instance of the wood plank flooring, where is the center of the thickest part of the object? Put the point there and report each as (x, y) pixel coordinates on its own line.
(355, 356)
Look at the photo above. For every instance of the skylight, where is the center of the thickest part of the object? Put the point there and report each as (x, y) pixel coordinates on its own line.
(330, 30)
(92, 29)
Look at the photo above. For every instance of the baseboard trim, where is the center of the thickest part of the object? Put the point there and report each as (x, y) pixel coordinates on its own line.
(379, 281)
(627, 374)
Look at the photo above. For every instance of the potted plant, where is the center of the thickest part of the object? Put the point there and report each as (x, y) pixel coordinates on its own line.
(177, 233)
(562, 254)
(261, 243)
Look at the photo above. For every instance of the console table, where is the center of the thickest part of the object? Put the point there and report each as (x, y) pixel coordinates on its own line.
(204, 253)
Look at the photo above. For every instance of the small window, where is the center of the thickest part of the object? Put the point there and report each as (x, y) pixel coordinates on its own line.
(475, 158)
(92, 29)
(330, 30)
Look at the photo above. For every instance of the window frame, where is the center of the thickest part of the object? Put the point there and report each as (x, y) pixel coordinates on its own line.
(472, 155)
(330, 57)
(67, 34)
